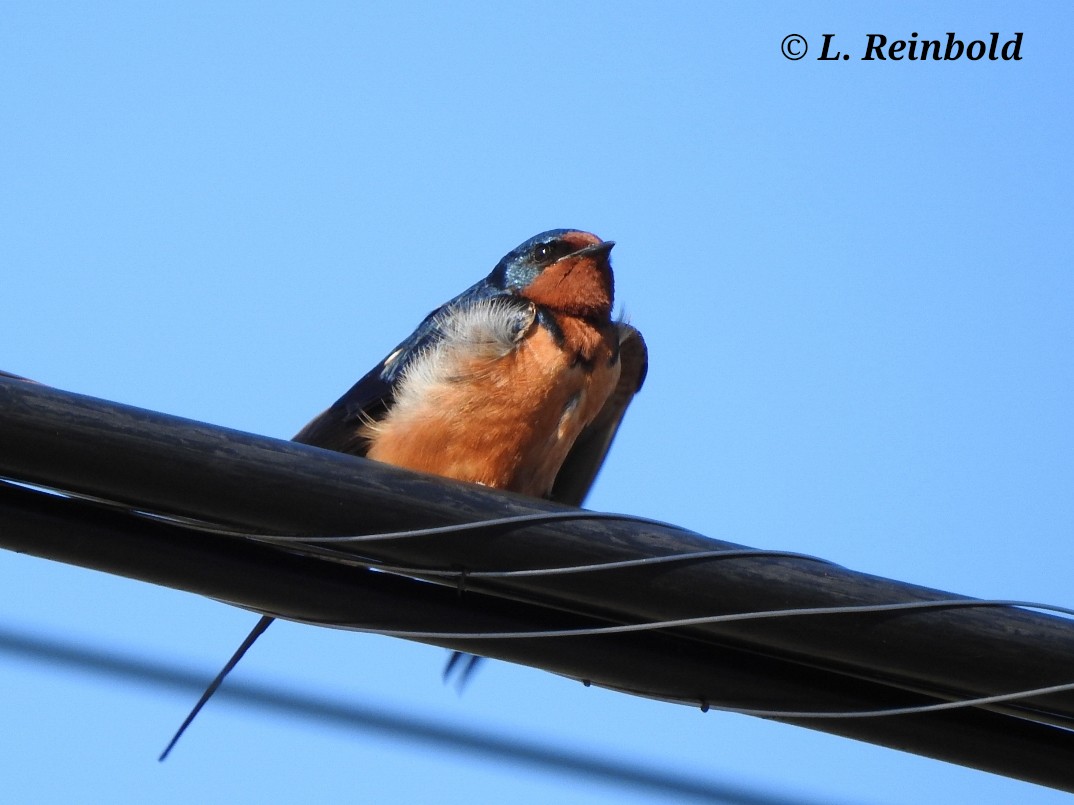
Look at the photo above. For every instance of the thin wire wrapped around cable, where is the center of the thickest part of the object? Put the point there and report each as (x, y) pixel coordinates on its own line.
(315, 544)
(804, 611)
(944, 603)
(960, 704)
(534, 518)
(461, 575)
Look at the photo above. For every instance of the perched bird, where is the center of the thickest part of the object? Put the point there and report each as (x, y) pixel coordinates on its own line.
(497, 385)
(519, 383)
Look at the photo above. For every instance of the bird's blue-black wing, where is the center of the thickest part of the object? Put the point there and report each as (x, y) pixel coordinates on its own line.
(339, 427)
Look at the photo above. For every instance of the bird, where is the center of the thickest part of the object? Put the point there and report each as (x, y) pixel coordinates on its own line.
(519, 383)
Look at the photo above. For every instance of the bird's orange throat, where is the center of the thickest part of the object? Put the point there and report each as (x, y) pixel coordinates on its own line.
(578, 285)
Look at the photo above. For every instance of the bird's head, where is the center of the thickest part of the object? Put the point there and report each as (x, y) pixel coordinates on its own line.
(565, 270)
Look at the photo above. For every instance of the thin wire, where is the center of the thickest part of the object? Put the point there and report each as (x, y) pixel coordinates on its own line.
(626, 563)
(414, 533)
(796, 714)
(461, 574)
(313, 543)
(472, 526)
(945, 603)
(898, 711)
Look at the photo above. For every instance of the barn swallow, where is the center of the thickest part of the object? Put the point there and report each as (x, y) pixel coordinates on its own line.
(518, 383)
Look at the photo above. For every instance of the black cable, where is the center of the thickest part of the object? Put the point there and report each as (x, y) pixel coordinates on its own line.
(314, 544)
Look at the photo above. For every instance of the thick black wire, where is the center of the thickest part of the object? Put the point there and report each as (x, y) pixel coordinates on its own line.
(318, 541)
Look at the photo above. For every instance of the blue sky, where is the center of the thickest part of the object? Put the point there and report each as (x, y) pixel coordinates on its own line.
(854, 280)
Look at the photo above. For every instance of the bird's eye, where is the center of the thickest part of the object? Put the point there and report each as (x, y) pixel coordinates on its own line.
(548, 252)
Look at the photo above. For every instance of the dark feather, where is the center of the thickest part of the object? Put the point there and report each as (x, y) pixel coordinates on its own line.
(583, 462)
(338, 428)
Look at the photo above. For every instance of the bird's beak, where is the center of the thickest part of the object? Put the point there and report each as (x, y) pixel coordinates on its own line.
(596, 249)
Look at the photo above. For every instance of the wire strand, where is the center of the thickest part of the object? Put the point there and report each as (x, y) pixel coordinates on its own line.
(590, 631)
(897, 711)
(314, 544)
(804, 611)
(471, 526)
(480, 525)
(757, 553)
